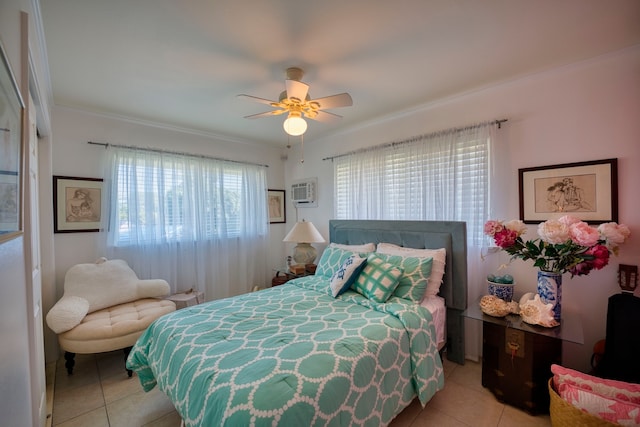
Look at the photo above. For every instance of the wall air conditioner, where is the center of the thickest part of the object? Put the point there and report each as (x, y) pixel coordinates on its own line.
(304, 193)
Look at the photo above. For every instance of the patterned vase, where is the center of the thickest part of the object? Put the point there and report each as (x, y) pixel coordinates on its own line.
(550, 291)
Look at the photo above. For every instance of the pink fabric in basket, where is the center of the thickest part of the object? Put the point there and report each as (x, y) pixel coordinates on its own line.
(611, 400)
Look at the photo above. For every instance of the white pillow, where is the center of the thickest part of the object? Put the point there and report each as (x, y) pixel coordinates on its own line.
(367, 247)
(346, 274)
(437, 267)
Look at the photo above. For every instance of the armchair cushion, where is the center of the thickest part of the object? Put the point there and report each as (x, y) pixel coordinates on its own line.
(92, 287)
(114, 327)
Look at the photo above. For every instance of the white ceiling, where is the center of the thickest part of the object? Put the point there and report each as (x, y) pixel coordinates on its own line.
(182, 63)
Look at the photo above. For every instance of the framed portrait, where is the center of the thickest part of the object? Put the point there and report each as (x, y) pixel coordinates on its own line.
(586, 190)
(11, 143)
(277, 211)
(77, 204)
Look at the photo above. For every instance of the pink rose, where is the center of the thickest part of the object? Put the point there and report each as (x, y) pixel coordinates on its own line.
(505, 238)
(601, 254)
(516, 225)
(582, 269)
(492, 227)
(613, 233)
(584, 235)
(553, 231)
(568, 220)
(600, 260)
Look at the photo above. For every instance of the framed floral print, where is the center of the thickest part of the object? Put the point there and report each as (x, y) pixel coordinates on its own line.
(77, 204)
(277, 213)
(586, 190)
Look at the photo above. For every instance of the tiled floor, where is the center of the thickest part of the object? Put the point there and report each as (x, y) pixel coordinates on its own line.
(99, 393)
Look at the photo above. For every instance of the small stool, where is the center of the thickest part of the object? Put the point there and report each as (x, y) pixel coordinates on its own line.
(186, 299)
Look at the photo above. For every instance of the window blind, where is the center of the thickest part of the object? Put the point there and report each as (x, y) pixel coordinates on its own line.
(444, 176)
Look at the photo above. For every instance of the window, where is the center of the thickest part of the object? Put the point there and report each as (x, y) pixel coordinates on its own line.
(162, 197)
(443, 176)
(198, 223)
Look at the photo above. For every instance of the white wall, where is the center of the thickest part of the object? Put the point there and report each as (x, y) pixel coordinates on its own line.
(586, 111)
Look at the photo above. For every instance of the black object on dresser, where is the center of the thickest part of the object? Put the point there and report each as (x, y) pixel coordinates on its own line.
(622, 346)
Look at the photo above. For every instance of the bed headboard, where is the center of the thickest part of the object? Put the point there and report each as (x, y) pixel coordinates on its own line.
(451, 235)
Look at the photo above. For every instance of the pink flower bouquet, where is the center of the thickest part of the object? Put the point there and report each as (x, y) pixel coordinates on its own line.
(566, 244)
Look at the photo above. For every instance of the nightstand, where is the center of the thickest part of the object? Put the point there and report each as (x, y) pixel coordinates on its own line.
(283, 275)
(517, 357)
(186, 299)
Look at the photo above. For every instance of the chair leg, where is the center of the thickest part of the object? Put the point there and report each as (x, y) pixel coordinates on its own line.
(126, 355)
(68, 356)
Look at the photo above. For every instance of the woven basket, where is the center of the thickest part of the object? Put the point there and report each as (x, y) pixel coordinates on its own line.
(564, 414)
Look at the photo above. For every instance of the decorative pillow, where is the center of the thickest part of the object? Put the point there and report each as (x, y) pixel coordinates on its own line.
(615, 401)
(437, 267)
(611, 388)
(331, 260)
(367, 247)
(378, 279)
(413, 283)
(346, 274)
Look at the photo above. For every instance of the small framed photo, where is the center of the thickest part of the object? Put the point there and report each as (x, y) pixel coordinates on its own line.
(277, 211)
(586, 190)
(77, 204)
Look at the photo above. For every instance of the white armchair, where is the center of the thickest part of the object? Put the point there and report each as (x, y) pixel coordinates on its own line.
(105, 307)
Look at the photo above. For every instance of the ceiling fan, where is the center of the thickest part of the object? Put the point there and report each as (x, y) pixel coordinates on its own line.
(296, 102)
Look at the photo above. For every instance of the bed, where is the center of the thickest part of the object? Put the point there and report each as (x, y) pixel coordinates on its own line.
(296, 355)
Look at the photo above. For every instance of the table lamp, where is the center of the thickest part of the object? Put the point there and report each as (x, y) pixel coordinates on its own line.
(304, 233)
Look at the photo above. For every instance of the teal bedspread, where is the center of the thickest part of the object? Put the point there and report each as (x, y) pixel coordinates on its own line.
(291, 355)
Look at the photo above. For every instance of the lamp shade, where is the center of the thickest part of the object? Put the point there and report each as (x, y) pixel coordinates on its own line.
(295, 125)
(304, 232)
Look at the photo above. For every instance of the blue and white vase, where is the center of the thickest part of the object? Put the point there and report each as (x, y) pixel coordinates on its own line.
(504, 291)
(550, 291)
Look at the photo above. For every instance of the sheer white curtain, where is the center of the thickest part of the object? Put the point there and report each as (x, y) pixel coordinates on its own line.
(196, 222)
(440, 176)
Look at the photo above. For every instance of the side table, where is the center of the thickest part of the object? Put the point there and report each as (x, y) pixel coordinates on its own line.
(186, 299)
(284, 274)
(517, 357)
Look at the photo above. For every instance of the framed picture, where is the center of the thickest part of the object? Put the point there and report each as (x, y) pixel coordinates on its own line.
(77, 204)
(11, 136)
(277, 211)
(586, 190)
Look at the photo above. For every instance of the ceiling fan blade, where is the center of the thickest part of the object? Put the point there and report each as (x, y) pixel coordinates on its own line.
(256, 99)
(296, 89)
(265, 114)
(334, 101)
(325, 117)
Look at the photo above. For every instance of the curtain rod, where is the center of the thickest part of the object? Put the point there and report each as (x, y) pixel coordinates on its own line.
(158, 150)
(417, 138)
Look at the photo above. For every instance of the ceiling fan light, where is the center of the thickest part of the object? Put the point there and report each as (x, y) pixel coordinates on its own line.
(295, 126)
